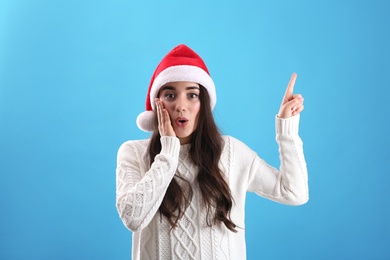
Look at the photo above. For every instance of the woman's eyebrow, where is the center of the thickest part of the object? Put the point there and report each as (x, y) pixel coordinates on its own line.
(192, 87)
(167, 87)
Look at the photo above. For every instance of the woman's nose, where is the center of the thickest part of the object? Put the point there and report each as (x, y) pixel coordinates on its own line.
(181, 105)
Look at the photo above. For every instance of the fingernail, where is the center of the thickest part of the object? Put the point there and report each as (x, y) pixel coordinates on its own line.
(293, 108)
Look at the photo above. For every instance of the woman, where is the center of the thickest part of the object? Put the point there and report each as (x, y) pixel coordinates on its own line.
(182, 192)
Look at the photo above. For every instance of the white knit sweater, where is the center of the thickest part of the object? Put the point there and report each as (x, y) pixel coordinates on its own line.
(141, 188)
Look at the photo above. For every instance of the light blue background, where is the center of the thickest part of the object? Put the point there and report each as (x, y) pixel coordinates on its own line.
(74, 76)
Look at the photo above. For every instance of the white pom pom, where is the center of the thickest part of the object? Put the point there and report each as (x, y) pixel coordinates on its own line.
(145, 121)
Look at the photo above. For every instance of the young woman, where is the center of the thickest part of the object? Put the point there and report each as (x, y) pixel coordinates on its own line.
(182, 192)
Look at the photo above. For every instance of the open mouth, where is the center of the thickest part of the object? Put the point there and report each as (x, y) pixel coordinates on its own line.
(181, 121)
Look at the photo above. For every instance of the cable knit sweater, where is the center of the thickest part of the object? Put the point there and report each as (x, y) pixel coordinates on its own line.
(141, 188)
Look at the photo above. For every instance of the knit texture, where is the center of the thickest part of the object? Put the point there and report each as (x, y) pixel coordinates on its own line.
(141, 187)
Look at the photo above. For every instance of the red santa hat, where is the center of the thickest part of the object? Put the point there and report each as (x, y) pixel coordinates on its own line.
(180, 64)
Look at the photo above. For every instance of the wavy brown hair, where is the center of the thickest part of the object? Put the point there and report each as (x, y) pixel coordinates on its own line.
(205, 152)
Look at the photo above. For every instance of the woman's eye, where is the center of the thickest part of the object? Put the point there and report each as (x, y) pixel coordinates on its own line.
(193, 95)
(169, 95)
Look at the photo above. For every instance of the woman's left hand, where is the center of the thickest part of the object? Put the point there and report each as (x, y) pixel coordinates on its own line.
(292, 104)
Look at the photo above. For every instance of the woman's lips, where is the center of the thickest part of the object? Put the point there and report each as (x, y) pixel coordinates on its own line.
(181, 121)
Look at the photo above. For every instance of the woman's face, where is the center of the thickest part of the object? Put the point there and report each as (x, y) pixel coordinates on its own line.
(181, 100)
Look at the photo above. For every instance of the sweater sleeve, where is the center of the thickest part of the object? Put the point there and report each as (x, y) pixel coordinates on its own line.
(289, 184)
(140, 190)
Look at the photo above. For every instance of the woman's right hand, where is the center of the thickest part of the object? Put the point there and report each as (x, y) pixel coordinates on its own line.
(164, 122)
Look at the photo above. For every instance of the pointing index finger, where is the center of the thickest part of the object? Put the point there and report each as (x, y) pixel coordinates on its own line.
(290, 87)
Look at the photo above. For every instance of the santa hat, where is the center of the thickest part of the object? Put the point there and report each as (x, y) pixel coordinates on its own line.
(180, 64)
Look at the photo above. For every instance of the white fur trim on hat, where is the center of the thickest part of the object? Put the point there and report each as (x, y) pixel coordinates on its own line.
(183, 73)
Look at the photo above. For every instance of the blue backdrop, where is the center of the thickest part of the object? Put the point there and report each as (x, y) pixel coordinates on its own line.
(74, 76)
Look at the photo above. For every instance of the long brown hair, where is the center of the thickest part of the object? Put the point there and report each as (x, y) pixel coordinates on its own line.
(205, 152)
